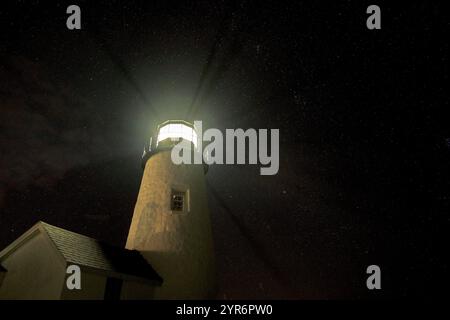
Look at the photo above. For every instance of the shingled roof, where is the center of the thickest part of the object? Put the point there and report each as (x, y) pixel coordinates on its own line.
(98, 256)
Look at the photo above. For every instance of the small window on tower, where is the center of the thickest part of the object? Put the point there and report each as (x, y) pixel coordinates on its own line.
(178, 200)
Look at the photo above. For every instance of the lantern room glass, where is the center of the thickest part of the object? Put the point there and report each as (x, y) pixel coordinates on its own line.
(177, 131)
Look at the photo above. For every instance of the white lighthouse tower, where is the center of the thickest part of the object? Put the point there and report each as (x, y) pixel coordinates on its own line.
(171, 222)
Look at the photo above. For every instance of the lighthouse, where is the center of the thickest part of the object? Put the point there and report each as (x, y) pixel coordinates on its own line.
(171, 225)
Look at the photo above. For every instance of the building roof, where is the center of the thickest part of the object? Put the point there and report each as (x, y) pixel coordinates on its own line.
(97, 256)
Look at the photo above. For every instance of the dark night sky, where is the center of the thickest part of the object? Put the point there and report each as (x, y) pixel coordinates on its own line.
(364, 145)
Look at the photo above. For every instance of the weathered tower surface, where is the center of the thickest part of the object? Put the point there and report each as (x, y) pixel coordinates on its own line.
(171, 222)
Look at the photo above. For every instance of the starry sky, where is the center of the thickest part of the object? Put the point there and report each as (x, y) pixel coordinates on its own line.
(364, 145)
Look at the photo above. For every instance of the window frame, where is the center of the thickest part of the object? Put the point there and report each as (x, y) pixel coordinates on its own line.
(184, 193)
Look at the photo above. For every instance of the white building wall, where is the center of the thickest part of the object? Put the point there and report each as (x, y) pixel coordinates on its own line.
(92, 287)
(35, 271)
